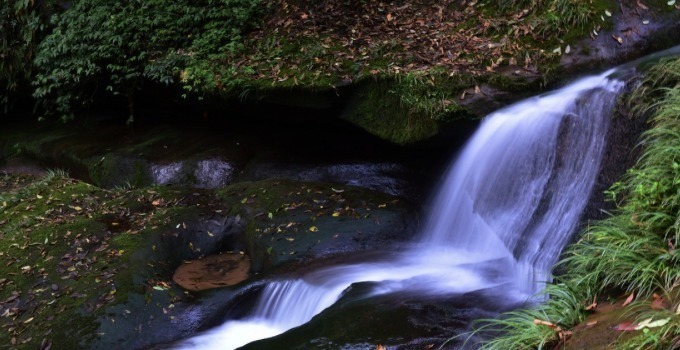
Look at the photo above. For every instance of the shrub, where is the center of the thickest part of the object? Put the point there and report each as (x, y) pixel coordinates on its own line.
(115, 46)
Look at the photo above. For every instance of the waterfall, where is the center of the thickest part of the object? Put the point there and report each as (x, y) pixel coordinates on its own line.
(523, 180)
(504, 212)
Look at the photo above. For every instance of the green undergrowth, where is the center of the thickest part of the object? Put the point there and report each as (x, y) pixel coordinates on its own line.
(633, 251)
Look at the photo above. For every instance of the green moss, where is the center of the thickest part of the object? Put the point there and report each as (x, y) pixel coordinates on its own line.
(66, 255)
(378, 108)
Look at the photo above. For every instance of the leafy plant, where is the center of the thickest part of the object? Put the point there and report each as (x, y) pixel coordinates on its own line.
(23, 24)
(114, 46)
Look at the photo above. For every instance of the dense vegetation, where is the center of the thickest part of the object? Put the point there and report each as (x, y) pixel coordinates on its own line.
(633, 252)
(68, 54)
(115, 46)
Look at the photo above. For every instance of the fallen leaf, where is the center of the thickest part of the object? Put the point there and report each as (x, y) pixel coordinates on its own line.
(671, 3)
(157, 202)
(592, 305)
(629, 299)
(642, 6)
(591, 323)
(544, 323)
(389, 17)
(626, 326)
(606, 12)
(617, 38)
(648, 323)
(658, 302)
(313, 229)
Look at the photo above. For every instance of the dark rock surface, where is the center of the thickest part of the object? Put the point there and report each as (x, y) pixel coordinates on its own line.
(224, 222)
(642, 31)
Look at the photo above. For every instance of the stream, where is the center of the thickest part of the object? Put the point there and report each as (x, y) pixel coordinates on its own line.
(504, 211)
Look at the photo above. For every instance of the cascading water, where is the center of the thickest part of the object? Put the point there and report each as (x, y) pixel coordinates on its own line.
(504, 213)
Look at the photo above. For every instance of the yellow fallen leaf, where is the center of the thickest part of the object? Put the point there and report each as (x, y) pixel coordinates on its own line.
(544, 323)
(313, 229)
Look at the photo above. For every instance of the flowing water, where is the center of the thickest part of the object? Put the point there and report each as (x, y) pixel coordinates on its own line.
(504, 212)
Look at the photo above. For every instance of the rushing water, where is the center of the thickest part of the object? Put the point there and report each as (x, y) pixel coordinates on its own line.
(505, 210)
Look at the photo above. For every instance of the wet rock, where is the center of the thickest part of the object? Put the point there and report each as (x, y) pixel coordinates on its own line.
(288, 221)
(389, 178)
(22, 165)
(397, 321)
(640, 31)
(202, 173)
(317, 222)
(160, 313)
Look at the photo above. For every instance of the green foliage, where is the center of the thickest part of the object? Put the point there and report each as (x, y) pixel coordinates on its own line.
(116, 45)
(420, 93)
(635, 249)
(522, 329)
(552, 15)
(23, 23)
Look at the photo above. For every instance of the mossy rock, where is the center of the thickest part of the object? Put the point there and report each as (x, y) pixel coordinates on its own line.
(287, 221)
(377, 109)
(87, 268)
(114, 156)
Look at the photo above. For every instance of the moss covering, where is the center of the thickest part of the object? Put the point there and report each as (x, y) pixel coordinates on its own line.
(377, 108)
(65, 252)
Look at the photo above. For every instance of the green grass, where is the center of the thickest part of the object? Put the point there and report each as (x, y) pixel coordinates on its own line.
(634, 250)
